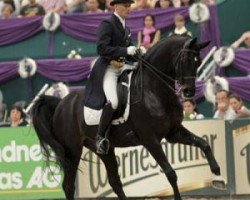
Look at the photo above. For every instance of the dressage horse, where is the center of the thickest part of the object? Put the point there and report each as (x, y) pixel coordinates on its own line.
(155, 113)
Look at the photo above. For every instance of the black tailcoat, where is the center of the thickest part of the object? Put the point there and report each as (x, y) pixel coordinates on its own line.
(112, 43)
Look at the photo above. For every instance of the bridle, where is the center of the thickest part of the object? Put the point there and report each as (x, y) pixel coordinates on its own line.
(179, 78)
(178, 66)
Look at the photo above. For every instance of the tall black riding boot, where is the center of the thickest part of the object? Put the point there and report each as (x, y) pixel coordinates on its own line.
(102, 141)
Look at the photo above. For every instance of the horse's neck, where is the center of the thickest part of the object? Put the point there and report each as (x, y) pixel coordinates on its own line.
(162, 88)
(162, 67)
(159, 87)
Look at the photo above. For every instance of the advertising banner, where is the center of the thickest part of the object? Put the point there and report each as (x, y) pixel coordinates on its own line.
(23, 172)
(241, 140)
(140, 174)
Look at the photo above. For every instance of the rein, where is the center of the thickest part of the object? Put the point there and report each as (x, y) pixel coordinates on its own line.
(160, 75)
(155, 71)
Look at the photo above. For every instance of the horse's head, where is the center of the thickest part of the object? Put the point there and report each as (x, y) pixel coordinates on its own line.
(186, 65)
(177, 58)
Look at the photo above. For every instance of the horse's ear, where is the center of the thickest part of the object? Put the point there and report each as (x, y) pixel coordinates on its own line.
(202, 45)
(192, 43)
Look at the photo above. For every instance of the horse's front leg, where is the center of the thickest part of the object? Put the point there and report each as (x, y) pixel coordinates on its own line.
(111, 166)
(184, 136)
(155, 149)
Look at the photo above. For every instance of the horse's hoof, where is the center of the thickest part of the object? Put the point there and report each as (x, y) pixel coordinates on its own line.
(178, 197)
(219, 183)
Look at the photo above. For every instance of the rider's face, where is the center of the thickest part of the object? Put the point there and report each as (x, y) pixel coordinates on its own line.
(123, 9)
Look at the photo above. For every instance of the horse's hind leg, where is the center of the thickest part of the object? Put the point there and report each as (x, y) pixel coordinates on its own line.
(155, 149)
(70, 169)
(111, 166)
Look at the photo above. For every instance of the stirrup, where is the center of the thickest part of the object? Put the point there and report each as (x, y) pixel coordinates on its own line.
(102, 146)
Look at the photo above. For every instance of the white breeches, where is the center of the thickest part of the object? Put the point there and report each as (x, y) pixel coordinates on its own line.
(110, 83)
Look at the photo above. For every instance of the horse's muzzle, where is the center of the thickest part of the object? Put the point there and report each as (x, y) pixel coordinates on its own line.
(188, 92)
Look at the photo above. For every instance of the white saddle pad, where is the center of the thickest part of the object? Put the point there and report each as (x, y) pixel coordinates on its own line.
(92, 116)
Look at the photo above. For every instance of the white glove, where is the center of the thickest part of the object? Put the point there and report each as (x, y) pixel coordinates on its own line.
(143, 50)
(131, 50)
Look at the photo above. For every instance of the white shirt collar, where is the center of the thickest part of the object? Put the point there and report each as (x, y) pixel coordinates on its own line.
(121, 20)
(180, 31)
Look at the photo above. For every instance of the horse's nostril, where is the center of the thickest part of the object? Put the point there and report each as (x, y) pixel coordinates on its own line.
(187, 92)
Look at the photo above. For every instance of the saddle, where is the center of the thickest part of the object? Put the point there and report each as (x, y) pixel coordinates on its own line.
(92, 116)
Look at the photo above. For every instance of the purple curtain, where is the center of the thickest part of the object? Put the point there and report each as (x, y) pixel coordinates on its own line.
(18, 29)
(68, 70)
(238, 85)
(210, 30)
(199, 90)
(84, 26)
(242, 60)
(8, 70)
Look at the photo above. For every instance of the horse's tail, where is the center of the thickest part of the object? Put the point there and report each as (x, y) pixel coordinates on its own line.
(42, 117)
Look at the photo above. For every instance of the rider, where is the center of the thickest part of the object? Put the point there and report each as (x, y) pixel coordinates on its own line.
(114, 47)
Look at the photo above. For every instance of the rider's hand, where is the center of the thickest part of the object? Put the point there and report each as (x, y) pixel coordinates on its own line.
(143, 50)
(131, 50)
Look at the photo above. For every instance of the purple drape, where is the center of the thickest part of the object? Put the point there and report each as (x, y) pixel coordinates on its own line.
(68, 70)
(8, 70)
(238, 85)
(242, 60)
(210, 31)
(18, 29)
(84, 26)
(199, 89)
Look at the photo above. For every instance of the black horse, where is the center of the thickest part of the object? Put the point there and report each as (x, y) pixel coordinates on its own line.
(155, 113)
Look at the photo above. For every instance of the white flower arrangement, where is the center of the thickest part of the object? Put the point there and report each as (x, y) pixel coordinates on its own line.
(213, 85)
(51, 21)
(199, 12)
(74, 55)
(224, 56)
(59, 90)
(27, 67)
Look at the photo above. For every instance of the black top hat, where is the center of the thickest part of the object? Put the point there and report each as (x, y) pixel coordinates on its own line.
(121, 1)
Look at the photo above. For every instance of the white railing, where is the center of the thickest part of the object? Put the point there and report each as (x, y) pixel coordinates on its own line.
(42, 91)
(208, 69)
